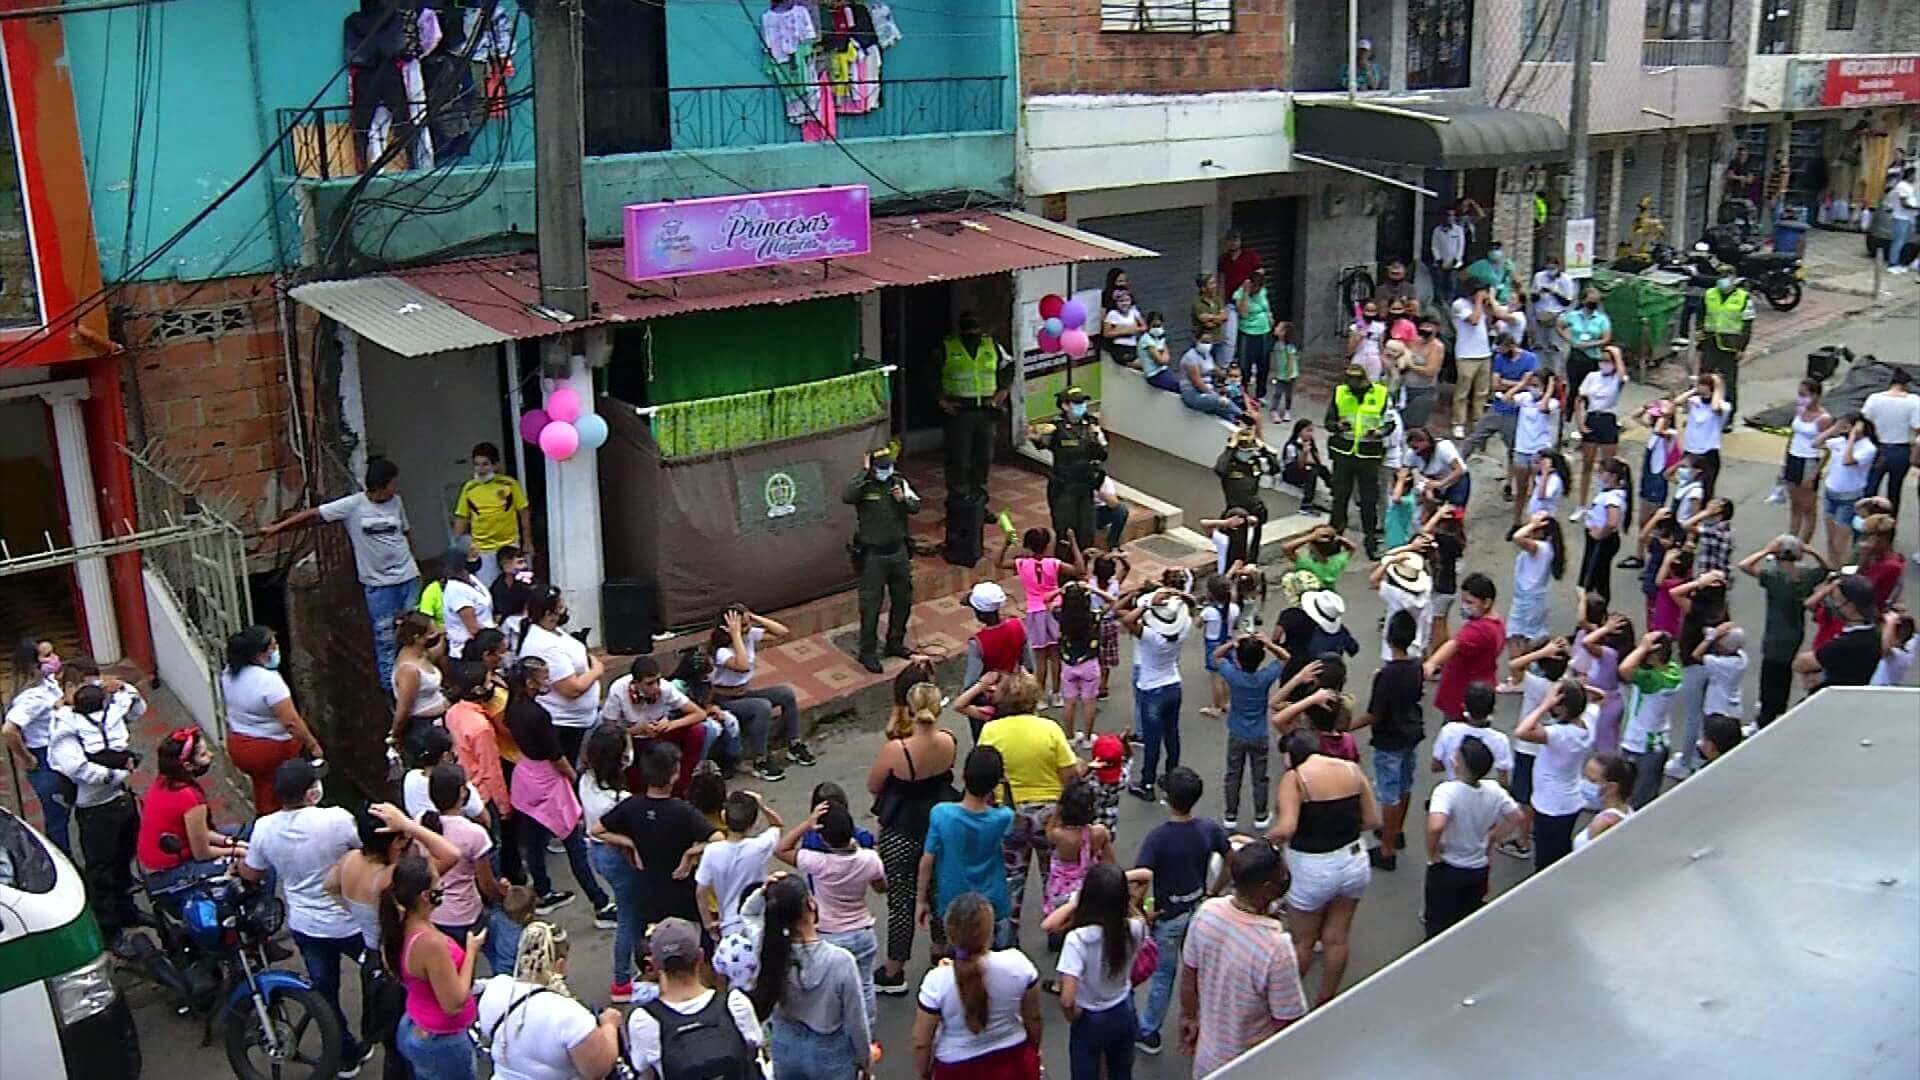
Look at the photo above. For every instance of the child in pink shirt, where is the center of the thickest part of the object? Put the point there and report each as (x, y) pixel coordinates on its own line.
(1040, 581)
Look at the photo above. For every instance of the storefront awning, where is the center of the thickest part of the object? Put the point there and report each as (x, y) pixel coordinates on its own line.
(1456, 137)
(475, 302)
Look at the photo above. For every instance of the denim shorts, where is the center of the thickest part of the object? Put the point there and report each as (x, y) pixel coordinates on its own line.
(1393, 774)
(1840, 506)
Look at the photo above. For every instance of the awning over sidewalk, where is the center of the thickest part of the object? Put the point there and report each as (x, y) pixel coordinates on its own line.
(1456, 137)
(474, 302)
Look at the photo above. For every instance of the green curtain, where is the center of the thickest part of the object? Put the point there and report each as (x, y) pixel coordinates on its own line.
(711, 425)
(711, 354)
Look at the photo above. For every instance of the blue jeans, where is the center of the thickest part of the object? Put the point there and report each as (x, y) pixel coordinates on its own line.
(503, 941)
(801, 1053)
(322, 958)
(55, 813)
(1103, 1036)
(611, 863)
(865, 948)
(385, 603)
(535, 836)
(1213, 404)
(1114, 520)
(436, 1057)
(1897, 240)
(1157, 718)
(1170, 935)
(1256, 351)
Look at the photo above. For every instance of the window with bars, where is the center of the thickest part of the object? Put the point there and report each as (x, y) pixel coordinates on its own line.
(1689, 20)
(206, 322)
(1840, 14)
(1547, 28)
(1779, 28)
(1166, 16)
(1439, 44)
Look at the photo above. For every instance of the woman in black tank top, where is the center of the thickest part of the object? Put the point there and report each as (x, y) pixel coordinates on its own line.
(1324, 804)
(906, 787)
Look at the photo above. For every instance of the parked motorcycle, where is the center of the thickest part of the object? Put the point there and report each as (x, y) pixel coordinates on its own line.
(1775, 275)
(213, 955)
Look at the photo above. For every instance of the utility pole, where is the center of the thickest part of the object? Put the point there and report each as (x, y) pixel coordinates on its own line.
(1583, 31)
(573, 486)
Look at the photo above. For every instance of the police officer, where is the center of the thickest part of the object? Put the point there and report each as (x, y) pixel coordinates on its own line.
(881, 499)
(1726, 325)
(1242, 463)
(1079, 451)
(1356, 429)
(972, 395)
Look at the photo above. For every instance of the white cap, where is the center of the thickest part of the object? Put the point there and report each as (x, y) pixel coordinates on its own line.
(1364, 43)
(987, 596)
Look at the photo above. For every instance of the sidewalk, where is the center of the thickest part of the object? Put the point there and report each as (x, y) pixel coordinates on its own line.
(1837, 262)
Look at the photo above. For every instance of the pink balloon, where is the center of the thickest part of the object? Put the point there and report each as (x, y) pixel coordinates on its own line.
(1075, 344)
(532, 423)
(563, 405)
(559, 440)
(1048, 342)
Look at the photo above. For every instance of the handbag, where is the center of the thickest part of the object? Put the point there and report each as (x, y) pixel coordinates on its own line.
(1145, 960)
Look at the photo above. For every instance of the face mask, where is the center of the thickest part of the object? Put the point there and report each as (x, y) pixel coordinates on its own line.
(1858, 524)
(1590, 793)
(626, 758)
(1591, 305)
(1496, 256)
(1429, 335)
(1157, 333)
(199, 769)
(1243, 455)
(317, 792)
(50, 666)
(1683, 476)
(435, 896)
(1233, 389)
(1205, 347)
(1803, 401)
(273, 659)
(883, 472)
(1726, 284)
(1078, 410)
(564, 617)
(482, 475)
(473, 566)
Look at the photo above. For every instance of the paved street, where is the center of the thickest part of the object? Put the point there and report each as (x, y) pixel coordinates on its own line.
(1387, 925)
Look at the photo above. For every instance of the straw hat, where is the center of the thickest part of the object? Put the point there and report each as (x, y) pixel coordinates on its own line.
(1407, 571)
(1326, 609)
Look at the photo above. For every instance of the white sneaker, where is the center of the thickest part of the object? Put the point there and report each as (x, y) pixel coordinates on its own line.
(1263, 822)
(1232, 825)
(1677, 767)
(1778, 495)
(1576, 516)
(1459, 432)
(1896, 269)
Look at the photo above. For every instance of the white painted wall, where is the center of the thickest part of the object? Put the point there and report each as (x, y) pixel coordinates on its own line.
(1080, 142)
(183, 667)
(425, 413)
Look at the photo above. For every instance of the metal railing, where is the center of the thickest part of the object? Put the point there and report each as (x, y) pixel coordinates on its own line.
(644, 119)
(1681, 53)
(1166, 16)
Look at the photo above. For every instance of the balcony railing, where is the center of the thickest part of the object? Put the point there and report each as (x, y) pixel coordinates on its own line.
(623, 119)
(1665, 54)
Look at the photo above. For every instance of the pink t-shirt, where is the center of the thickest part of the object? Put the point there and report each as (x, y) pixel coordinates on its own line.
(1041, 579)
(1666, 614)
(839, 882)
(1474, 659)
(461, 905)
(1249, 980)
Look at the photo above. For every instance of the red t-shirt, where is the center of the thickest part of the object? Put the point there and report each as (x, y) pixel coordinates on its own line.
(1476, 655)
(1885, 576)
(1236, 269)
(163, 810)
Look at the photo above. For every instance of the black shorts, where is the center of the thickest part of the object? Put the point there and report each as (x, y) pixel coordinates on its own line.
(1603, 429)
(1796, 469)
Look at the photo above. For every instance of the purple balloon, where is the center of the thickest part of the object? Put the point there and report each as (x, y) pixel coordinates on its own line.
(532, 423)
(1073, 315)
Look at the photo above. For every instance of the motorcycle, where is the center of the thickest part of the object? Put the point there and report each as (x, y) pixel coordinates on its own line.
(1775, 275)
(214, 934)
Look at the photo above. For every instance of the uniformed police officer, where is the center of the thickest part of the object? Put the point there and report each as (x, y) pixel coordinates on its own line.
(1242, 463)
(1356, 427)
(881, 499)
(1726, 325)
(972, 394)
(1079, 451)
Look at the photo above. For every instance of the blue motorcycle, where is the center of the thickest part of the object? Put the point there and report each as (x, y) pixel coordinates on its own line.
(215, 934)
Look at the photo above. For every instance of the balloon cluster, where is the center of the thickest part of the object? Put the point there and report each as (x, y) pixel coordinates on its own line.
(1063, 328)
(562, 429)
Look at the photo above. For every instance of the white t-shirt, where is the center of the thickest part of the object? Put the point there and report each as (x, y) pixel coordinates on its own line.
(1445, 454)
(1008, 974)
(623, 710)
(729, 867)
(1533, 571)
(1687, 500)
(1156, 659)
(1215, 630)
(1396, 600)
(1902, 201)
(538, 1034)
(1533, 691)
(250, 694)
(1084, 956)
(596, 800)
(1116, 319)
(1723, 683)
(643, 1031)
(726, 676)
(565, 658)
(1455, 732)
(1544, 494)
(1470, 339)
(1895, 663)
(1556, 773)
(378, 532)
(1602, 391)
(1597, 509)
(455, 595)
(416, 797)
(1554, 286)
(300, 846)
(1646, 716)
(1533, 430)
(1895, 417)
(1472, 812)
(1843, 478)
(1705, 425)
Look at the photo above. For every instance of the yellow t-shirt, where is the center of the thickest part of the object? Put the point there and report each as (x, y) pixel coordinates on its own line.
(1035, 750)
(491, 509)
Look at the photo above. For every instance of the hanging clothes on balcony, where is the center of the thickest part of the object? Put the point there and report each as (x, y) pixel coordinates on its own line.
(787, 29)
(450, 85)
(886, 32)
(374, 43)
(788, 32)
(853, 47)
(493, 56)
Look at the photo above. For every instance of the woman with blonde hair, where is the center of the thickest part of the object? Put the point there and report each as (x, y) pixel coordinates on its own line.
(913, 773)
(529, 1022)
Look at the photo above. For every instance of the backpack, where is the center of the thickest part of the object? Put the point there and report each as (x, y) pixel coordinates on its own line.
(706, 1045)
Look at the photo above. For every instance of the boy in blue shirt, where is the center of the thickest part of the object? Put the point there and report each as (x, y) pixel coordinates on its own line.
(1178, 851)
(963, 851)
(1241, 664)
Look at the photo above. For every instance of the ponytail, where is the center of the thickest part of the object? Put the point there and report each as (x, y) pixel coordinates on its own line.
(412, 879)
(970, 931)
(786, 904)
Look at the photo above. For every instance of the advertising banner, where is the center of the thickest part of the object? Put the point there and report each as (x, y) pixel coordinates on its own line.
(1876, 80)
(737, 232)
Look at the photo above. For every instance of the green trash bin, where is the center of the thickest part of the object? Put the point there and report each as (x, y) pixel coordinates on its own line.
(1642, 308)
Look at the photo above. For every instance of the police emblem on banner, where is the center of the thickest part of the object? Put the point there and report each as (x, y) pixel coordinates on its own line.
(782, 496)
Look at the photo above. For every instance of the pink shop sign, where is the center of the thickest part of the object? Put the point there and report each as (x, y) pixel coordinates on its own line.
(736, 232)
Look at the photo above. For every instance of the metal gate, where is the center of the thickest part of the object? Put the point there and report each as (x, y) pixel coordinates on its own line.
(1164, 284)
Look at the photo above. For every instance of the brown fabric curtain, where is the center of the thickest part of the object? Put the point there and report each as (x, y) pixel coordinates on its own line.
(629, 494)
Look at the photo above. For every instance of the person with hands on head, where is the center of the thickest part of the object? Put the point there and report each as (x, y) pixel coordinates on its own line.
(1161, 626)
(1562, 727)
(1467, 816)
(1800, 471)
(841, 873)
(1852, 444)
(1708, 415)
(1322, 551)
(1788, 572)
(1473, 654)
(1325, 804)
(734, 646)
(1241, 662)
(1473, 317)
(1654, 673)
(1240, 976)
(264, 729)
(1852, 655)
(647, 707)
(882, 500)
(1606, 782)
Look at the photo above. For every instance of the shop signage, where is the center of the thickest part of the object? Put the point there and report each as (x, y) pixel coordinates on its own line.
(1876, 80)
(737, 232)
(1577, 255)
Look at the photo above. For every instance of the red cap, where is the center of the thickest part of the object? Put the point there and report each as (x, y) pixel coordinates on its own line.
(1109, 757)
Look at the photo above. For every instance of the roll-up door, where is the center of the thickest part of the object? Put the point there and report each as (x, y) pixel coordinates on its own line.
(1270, 227)
(1639, 177)
(1164, 284)
(1699, 183)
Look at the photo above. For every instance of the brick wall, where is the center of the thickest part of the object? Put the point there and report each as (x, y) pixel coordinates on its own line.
(208, 380)
(1063, 51)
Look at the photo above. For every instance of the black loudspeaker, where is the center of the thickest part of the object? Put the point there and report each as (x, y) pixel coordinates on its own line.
(966, 521)
(631, 609)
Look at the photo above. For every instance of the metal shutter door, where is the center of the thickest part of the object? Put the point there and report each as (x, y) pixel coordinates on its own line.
(1164, 284)
(1699, 182)
(1636, 180)
(1268, 227)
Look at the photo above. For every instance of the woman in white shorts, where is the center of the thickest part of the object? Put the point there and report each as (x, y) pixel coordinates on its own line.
(1324, 805)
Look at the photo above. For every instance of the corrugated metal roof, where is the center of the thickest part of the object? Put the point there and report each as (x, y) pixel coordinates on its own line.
(482, 301)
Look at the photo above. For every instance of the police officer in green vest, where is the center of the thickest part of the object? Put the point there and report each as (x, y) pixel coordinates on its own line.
(1726, 325)
(1079, 450)
(972, 394)
(881, 499)
(1244, 461)
(1356, 436)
